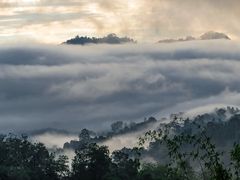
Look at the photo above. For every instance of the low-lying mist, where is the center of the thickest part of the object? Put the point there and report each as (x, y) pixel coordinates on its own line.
(53, 140)
(75, 87)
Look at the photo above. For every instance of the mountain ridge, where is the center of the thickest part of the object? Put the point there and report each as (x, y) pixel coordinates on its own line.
(210, 35)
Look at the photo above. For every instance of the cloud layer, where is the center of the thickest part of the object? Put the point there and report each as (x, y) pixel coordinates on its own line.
(74, 87)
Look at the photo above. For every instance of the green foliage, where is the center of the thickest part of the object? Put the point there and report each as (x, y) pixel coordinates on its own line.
(20, 159)
(84, 135)
(192, 156)
(117, 126)
(158, 172)
(123, 167)
(235, 157)
(185, 150)
(91, 162)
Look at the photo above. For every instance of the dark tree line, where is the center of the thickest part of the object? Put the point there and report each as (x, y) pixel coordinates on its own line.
(191, 154)
(23, 160)
(109, 39)
(117, 128)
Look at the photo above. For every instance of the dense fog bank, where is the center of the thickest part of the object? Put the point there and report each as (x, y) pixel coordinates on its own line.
(74, 87)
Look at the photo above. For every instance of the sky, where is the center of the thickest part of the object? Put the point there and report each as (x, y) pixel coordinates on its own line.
(75, 87)
(54, 21)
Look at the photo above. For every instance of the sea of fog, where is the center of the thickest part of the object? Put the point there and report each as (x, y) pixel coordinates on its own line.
(73, 87)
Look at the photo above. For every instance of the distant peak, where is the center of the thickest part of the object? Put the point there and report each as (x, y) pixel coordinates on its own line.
(213, 35)
(210, 35)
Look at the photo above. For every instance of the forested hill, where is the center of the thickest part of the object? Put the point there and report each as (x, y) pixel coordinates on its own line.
(117, 129)
(221, 119)
(109, 39)
(221, 126)
(179, 149)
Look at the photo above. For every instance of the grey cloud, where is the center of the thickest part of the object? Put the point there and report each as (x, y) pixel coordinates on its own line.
(72, 87)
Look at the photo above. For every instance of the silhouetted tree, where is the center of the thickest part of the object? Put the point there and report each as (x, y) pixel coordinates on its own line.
(84, 135)
(21, 159)
(91, 163)
(123, 167)
(117, 126)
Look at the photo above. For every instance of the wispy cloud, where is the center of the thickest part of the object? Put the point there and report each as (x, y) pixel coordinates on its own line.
(141, 19)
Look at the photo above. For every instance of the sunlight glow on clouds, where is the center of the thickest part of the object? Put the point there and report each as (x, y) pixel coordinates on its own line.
(146, 21)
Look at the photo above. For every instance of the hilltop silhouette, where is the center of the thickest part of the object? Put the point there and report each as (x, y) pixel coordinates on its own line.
(211, 35)
(109, 39)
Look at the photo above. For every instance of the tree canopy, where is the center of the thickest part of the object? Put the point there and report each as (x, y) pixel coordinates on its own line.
(192, 153)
